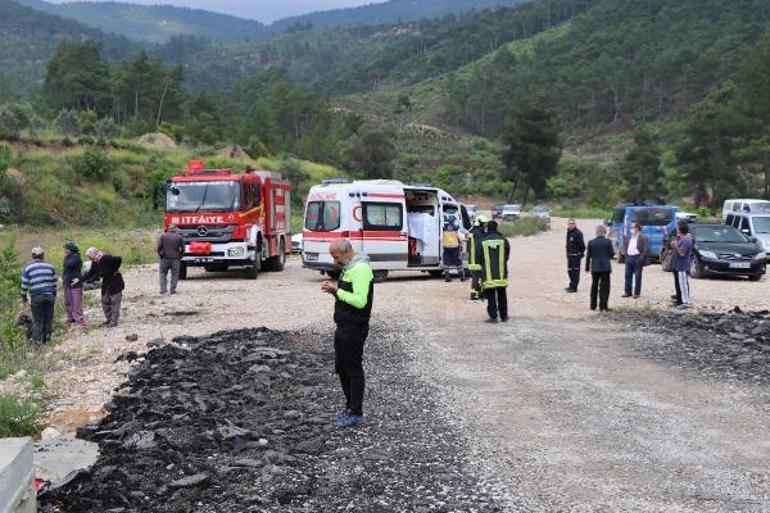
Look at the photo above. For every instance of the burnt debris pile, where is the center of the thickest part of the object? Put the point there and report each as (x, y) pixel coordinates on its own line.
(241, 421)
(199, 415)
(732, 345)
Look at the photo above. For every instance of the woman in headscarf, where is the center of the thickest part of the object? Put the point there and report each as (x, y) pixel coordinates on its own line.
(73, 284)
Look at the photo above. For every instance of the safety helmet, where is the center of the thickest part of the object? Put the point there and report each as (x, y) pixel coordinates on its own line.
(480, 219)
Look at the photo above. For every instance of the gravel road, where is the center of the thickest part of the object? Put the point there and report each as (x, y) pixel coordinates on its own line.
(562, 408)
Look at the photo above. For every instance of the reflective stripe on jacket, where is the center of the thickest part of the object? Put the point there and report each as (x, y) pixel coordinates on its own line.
(476, 235)
(495, 251)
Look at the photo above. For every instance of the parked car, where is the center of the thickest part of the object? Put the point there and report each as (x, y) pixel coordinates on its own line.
(686, 216)
(296, 243)
(657, 223)
(510, 212)
(745, 206)
(497, 211)
(541, 211)
(473, 211)
(720, 249)
(752, 225)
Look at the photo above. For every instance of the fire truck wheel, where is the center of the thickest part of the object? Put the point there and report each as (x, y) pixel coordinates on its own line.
(252, 271)
(183, 271)
(380, 276)
(278, 262)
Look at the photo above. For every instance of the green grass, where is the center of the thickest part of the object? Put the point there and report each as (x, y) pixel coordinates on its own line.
(19, 417)
(524, 227)
(581, 212)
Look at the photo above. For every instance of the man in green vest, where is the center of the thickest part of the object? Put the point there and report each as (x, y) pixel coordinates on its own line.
(354, 294)
(494, 252)
(474, 265)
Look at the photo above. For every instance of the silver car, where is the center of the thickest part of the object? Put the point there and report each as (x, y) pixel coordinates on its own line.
(542, 212)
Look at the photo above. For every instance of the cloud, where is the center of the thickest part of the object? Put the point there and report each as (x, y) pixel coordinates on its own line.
(262, 10)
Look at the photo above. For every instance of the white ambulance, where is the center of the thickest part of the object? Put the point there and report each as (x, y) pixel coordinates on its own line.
(400, 227)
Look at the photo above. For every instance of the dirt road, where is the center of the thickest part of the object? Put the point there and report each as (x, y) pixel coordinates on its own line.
(556, 405)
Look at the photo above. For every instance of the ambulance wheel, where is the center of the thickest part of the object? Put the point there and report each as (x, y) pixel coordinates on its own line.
(436, 274)
(252, 271)
(334, 275)
(182, 271)
(380, 276)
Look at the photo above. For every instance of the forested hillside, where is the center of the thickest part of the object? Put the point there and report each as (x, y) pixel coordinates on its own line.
(357, 59)
(29, 38)
(391, 11)
(154, 23)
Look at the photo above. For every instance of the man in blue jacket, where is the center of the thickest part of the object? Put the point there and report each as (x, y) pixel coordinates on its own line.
(38, 279)
(599, 257)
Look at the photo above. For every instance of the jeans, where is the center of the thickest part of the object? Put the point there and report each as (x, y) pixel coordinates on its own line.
(111, 308)
(497, 302)
(166, 265)
(348, 363)
(73, 304)
(42, 317)
(600, 286)
(573, 270)
(634, 267)
(453, 258)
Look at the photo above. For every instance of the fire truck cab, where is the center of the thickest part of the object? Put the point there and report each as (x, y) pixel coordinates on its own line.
(400, 227)
(230, 219)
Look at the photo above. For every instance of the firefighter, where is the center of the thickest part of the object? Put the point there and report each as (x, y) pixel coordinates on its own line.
(354, 294)
(494, 252)
(474, 266)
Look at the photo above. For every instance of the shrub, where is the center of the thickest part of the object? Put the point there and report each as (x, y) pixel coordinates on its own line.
(19, 417)
(256, 148)
(67, 122)
(106, 128)
(524, 227)
(36, 124)
(10, 122)
(92, 164)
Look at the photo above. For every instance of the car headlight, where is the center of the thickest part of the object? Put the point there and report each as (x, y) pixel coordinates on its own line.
(236, 252)
(760, 256)
(708, 254)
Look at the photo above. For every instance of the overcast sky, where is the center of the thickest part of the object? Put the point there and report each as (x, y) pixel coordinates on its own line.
(262, 10)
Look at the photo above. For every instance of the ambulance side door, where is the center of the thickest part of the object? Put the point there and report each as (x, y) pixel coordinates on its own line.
(385, 238)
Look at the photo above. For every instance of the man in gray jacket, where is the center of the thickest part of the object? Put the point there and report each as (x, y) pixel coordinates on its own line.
(636, 254)
(170, 251)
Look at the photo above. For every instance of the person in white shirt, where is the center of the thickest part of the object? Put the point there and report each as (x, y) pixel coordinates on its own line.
(636, 254)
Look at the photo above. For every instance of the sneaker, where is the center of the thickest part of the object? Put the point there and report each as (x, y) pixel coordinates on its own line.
(571, 291)
(349, 421)
(636, 296)
(626, 295)
(683, 306)
(492, 320)
(503, 319)
(341, 415)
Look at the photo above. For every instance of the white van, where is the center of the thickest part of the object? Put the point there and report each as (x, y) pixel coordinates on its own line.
(400, 227)
(745, 206)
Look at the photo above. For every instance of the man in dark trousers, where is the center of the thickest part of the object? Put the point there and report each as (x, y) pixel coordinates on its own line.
(494, 252)
(576, 248)
(170, 251)
(599, 263)
(636, 255)
(38, 280)
(354, 294)
(107, 267)
(681, 254)
(475, 238)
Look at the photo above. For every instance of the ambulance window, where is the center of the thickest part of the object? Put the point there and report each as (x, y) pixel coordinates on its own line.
(322, 216)
(383, 216)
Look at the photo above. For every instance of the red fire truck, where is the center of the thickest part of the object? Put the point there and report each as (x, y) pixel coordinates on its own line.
(230, 219)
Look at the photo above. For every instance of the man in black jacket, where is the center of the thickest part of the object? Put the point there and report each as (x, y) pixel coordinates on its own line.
(107, 267)
(493, 253)
(599, 263)
(576, 248)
